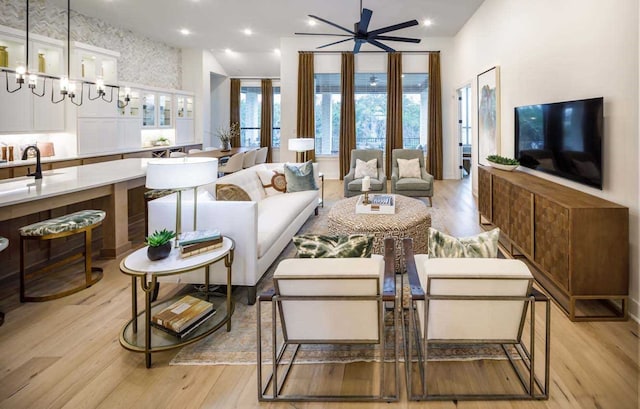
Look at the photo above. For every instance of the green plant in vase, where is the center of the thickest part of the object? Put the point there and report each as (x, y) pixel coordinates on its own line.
(226, 134)
(159, 244)
(502, 160)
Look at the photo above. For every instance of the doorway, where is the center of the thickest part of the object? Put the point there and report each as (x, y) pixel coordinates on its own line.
(464, 130)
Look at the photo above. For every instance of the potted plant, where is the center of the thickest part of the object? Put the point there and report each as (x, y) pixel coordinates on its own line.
(503, 163)
(226, 134)
(159, 244)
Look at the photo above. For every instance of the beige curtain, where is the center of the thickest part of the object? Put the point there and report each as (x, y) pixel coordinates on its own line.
(394, 106)
(266, 116)
(234, 115)
(434, 142)
(306, 94)
(347, 112)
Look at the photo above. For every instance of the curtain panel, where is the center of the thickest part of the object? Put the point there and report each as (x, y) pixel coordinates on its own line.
(394, 107)
(306, 99)
(347, 112)
(434, 141)
(234, 114)
(266, 116)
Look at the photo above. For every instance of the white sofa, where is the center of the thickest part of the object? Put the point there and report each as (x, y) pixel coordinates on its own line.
(261, 228)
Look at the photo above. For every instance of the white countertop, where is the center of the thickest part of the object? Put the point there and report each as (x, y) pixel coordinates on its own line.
(69, 180)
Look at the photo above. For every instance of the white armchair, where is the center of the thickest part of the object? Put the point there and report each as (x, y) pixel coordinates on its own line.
(329, 301)
(472, 301)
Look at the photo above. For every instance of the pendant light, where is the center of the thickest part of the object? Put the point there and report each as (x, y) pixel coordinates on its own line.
(68, 87)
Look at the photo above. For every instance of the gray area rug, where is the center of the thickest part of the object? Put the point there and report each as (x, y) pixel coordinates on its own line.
(238, 347)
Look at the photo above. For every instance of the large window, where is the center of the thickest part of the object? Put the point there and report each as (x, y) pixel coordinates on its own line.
(371, 111)
(250, 114)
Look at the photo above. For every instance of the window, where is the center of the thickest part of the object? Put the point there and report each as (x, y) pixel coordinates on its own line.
(250, 116)
(327, 113)
(414, 110)
(371, 110)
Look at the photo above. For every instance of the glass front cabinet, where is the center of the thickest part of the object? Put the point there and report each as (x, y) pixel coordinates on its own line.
(156, 110)
(184, 107)
(148, 110)
(164, 111)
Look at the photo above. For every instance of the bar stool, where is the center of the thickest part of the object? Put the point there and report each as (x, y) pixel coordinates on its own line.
(83, 221)
(4, 243)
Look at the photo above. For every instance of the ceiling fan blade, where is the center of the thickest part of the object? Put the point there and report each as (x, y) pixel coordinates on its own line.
(356, 47)
(335, 42)
(380, 45)
(323, 34)
(394, 27)
(393, 38)
(333, 24)
(363, 24)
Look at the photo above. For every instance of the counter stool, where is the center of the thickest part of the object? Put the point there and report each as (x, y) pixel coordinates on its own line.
(4, 243)
(83, 221)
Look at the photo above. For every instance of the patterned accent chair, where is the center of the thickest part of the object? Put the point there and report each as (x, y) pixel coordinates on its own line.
(412, 187)
(353, 186)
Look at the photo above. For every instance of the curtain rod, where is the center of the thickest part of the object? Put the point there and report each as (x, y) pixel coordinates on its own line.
(255, 78)
(374, 52)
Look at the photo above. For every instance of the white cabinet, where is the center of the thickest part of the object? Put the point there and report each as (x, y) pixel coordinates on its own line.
(184, 131)
(184, 119)
(184, 107)
(99, 107)
(48, 116)
(132, 107)
(15, 109)
(90, 63)
(129, 132)
(97, 135)
(157, 110)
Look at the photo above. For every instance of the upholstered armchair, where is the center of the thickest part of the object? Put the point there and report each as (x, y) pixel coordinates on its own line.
(342, 301)
(353, 185)
(475, 301)
(234, 164)
(421, 186)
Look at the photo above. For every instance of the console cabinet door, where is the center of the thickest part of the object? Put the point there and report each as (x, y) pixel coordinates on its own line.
(521, 220)
(552, 240)
(501, 190)
(484, 193)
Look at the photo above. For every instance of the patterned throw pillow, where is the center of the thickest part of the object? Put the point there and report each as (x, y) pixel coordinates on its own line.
(409, 168)
(273, 182)
(483, 245)
(229, 192)
(320, 246)
(299, 178)
(368, 168)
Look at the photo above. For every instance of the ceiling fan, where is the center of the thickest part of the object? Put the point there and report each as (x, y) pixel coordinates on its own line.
(360, 34)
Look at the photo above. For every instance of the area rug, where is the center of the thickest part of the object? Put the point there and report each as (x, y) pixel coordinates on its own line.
(238, 347)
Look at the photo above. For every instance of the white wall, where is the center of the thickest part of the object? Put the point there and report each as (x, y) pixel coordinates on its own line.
(551, 50)
(197, 67)
(289, 48)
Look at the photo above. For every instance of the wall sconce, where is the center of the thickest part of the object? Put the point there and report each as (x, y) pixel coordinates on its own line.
(127, 98)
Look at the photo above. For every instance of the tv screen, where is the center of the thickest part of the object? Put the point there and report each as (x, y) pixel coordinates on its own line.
(562, 138)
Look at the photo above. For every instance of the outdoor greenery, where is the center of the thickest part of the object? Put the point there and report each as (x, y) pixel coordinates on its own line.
(159, 238)
(502, 160)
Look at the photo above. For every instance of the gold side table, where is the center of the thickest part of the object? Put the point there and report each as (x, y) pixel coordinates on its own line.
(138, 335)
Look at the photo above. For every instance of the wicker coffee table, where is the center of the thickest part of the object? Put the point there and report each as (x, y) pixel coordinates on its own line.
(410, 220)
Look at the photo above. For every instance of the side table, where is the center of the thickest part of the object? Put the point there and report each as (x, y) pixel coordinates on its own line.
(138, 335)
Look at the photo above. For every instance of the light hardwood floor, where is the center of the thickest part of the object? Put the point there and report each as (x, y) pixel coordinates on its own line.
(65, 353)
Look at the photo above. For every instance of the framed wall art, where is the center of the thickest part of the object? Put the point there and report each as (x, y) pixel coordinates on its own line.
(488, 114)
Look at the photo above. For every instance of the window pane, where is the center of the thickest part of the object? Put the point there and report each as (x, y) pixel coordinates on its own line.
(327, 113)
(414, 110)
(275, 133)
(371, 110)
(250, 102)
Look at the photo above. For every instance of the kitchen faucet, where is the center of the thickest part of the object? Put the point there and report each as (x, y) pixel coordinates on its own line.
(38, 172)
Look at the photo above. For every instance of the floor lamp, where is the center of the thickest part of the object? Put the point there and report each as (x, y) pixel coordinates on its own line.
(181, 174)
(301, 146)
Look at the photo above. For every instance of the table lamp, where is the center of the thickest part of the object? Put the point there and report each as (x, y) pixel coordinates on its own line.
(181, 174)
(301, 146)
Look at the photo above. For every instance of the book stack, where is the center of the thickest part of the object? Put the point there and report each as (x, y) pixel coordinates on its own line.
(183, 316)
(199, 241)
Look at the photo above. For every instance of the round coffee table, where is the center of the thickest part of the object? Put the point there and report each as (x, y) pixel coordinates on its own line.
(412, 219)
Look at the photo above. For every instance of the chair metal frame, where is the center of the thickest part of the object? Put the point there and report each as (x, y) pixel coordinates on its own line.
(528, 358)
(384, 299)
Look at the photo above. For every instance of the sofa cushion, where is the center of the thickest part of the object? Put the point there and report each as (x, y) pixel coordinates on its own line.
(273, 182)
(231, 192)
(248, 180)
(368, 168)
(321, 246)
(412, 184)
(483, 245)
(409, 168)
(356, 185)
(275, 214)
(300, 178)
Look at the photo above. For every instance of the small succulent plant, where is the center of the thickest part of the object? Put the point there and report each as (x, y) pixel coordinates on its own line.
(502, 160)
(159, 238)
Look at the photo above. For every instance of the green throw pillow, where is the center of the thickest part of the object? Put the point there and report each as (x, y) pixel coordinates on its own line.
(483, 245)
(299, 178)
(320, 246)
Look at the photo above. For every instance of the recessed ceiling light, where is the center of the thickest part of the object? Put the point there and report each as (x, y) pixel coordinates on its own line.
(228, 50)
(185, 31)
(276, 51)
(247, 31)
(312, 22)
(427, 22)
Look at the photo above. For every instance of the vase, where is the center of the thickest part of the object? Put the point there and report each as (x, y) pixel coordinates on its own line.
(226, 146)
(4, 56)
(42, 63)
(159, 252)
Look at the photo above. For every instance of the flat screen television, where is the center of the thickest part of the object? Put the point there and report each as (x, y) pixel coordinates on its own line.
(562, 138)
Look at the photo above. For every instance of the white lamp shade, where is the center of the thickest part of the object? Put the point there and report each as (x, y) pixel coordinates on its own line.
(301, 144)
(181, 173)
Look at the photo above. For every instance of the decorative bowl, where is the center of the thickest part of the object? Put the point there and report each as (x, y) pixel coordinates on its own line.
(508, 168)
